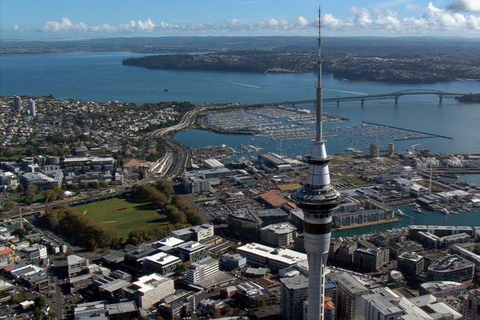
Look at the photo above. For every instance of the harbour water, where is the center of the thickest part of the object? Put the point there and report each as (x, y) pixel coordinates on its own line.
(102, 77)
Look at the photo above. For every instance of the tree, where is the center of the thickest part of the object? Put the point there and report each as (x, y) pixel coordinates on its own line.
(176, 216)
(51, 218)
(8, 205)
(40, 302)
(164, 187)
(158, 199)
(29, 194)
(18, 297)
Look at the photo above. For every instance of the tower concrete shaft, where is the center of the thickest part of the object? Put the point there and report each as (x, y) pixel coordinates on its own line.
(317, 199)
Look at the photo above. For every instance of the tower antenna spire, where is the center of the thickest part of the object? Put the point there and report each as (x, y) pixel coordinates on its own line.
(319, 96)
(317, 199)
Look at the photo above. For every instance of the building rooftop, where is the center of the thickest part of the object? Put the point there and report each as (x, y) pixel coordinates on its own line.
(191, 246)
(280, 228)
(123, 307)
(449, 263)
(412, 256)
(295, 283)
(162, 258)
(273, 198)
(282, 255)
(74, 259)
(352, 285)
(169, 241)
(147, 283)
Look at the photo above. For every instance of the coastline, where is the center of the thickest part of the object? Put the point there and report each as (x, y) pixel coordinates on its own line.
(368, 224)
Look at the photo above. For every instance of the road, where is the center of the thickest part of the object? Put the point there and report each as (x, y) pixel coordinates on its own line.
(177, 156)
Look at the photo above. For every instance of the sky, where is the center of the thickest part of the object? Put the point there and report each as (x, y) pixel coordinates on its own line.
(81, 19)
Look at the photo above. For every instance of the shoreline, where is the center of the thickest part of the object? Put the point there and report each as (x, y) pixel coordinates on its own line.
(368, 224)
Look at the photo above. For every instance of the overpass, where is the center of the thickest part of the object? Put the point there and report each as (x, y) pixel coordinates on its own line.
(362, 98)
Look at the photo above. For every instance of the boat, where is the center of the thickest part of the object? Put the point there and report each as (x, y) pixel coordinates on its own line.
(417, 210)
(165, 90)
(400, 212)
(445, 211)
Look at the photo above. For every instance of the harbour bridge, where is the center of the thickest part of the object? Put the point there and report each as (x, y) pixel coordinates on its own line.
(362, 98)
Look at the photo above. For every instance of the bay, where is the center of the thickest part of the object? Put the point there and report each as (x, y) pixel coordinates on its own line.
(102, 77)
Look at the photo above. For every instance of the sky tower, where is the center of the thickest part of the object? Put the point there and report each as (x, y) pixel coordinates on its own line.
(317, 199)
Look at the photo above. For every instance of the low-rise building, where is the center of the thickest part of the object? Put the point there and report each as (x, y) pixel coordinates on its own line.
(370, 259)
(192, 251)
(264, 256)
(230, 261)
(194, 233)
(76, 265)
(148, 290)
(442, 289)
(410, 264)
(278, 235)
(161, 263)
(471, 307)
(36, 252)
(201, 270)
(451, 268)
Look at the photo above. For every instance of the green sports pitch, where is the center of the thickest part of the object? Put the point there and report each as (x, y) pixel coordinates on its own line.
(122, 214)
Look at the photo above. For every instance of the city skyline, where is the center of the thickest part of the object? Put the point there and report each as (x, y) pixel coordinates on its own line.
(105, 19)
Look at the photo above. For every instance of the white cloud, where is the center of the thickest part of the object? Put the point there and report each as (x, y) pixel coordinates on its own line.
(105, 27)
(17, 28)
(140, 25)
(65, 25)
(433, 20)
(430, 20)
(302, 21)
(465, 5)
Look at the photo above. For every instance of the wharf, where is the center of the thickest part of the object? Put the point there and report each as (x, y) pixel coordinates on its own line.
(368, 224)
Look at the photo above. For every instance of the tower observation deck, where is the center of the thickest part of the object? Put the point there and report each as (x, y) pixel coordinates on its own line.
(317, 199)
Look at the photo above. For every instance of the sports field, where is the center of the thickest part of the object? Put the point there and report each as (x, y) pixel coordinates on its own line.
(122, 214)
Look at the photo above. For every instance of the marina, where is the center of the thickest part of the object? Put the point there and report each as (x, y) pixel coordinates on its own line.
(275, 123)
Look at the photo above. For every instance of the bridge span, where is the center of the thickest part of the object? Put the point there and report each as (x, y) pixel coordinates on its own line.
(362, 98)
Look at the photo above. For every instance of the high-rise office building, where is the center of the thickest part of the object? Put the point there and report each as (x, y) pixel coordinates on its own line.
(317, 198)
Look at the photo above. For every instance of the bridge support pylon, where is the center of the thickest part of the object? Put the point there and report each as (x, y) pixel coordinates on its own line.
(338, 103)
(440, 99)
(396, 100)
(362, 101)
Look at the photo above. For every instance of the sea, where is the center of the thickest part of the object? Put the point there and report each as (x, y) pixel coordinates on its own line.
(101, 77)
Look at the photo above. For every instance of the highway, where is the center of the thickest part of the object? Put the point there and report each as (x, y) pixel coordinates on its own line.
(177, 156)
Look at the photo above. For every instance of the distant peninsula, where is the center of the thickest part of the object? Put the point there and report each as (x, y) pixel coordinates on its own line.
(401, 67)
(413, 60)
